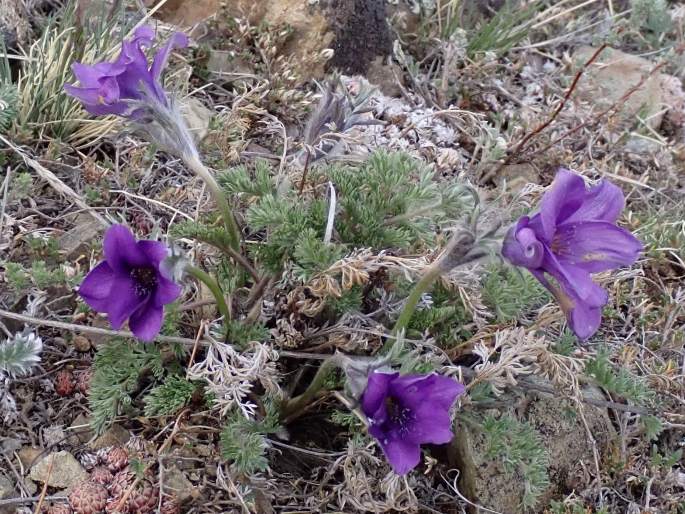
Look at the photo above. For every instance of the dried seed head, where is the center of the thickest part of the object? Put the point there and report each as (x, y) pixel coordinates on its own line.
(88, 498)
(117, 459)
(64, 383)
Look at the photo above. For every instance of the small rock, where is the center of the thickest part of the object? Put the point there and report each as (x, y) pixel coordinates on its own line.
(30, 486)
(386, 75)
(116, 435)
(176, 483)
(81, 343)
(197, 117)
(227, 65)
(28, 456)
(6, 491)
(6, 488)
(76, 239)
(66, 470)
(615, 73)
(558, 427)
(80, 428)
(517, 176)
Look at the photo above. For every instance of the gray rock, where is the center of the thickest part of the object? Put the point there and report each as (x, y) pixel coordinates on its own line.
(488, 483)
(66, 470)
(615, 73)
(176, 483)
(80, 428)
(6, 488)
(116, 435)
(77, 239)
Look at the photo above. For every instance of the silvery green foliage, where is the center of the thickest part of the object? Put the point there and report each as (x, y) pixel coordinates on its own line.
(19, 354)
(8, 406)
(8, 105)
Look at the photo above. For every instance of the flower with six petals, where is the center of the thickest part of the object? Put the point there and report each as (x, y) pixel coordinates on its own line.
(131, 283)
(573, 235)
(122, 87)
(407, 411)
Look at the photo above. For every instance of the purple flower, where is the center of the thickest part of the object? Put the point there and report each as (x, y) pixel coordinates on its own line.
(407, 411)
(120, 87)
(573, 235)
(130, 283)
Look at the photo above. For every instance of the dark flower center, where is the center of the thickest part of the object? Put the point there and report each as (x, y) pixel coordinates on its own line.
(145, 280)
(398, 414)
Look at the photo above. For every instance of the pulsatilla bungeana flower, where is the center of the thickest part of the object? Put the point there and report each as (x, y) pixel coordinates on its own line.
(131, 283)
(573, 235)
(407, 411)
(122, 87)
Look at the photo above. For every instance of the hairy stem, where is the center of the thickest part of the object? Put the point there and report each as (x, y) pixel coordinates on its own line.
(193, 162)
(423, 285)
(214, 287)
(292, 408)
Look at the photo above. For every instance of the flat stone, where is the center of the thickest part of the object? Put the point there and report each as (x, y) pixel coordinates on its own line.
(197, 117)
(66, 470)
(28, 456)
(116, 435)
(84, 232)
(6, 488)
(80, 430)
(176, 483)
(615, 73)
(558, 427)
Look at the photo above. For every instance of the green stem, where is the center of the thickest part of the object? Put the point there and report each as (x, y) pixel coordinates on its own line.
(423, 285)
(193, 162)
(214, 287)
(293, 408)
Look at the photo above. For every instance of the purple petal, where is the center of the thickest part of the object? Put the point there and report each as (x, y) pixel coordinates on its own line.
(596, 246)
(155, 251)
(123, 301)
(569, 275)
(146, 321)
(166, 292)
(118, 108)
(89, 76)
(603, 202)
(584, 316)
(521, 246)
(413, 391)
(376, 391)
(403, 456)
(96, 287)
(561, 200)
(177, 40)
(121, 251)
(430, 425)
(584, 320)
(106, 93)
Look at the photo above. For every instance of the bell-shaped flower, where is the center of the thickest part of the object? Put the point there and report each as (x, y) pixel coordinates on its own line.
(573, 235)
(125, 86)
(407, 411)
(131, 283)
